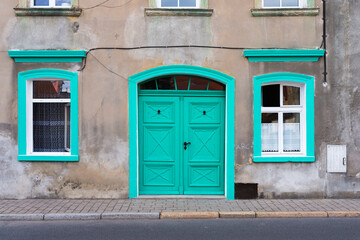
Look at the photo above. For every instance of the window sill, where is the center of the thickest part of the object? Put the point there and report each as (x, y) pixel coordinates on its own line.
(201, 12)
(270, 12)
(68, 12)
(283, 159)
(42, 158)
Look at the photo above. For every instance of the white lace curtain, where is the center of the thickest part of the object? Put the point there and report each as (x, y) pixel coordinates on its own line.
(269, 137)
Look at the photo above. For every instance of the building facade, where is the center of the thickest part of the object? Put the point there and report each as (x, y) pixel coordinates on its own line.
(136, 98)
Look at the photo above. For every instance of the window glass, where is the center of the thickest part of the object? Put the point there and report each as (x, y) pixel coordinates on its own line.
(291, 132)
(291, 95)
(290, 3)
(182, 82)
(67, 127)
(150, 85)
(49, 127)
(216, 86)
(271, 3)
(187, 3)
(271, 95)
(51, 116)
(63, 3)
(51, 89)
(169, 3)
(198, 83)
(41, 2)
(167, 83)
(269, 132)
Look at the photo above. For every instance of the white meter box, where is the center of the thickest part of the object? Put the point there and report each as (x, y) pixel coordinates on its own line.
(336, 158)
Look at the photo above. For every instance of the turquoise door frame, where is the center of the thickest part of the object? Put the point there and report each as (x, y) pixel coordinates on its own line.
(229, 119)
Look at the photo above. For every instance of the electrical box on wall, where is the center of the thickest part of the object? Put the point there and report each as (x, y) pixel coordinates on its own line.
(336, 158)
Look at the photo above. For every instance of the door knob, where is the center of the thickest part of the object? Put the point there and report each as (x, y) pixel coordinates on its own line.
(186, 144)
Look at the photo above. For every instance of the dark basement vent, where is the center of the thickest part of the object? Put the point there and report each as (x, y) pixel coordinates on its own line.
(246, 191)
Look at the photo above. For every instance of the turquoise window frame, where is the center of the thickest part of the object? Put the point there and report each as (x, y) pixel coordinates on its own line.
(229, 81)
(23, 77)
(310, 121)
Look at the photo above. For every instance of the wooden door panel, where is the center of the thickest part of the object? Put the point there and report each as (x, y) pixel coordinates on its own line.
(205, 143)
(204, 112)
(159, 143)
(159, 151)
(159, 175)
(201, 176)
(204, 159)
(159, 110)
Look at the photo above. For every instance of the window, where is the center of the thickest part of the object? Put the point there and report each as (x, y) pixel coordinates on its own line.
(284, 3)
(179, 8)
(67, 8)
(48, 115)
(51, 3)
(178, 3)
(182, 83)
(285, 8)
(283, 118)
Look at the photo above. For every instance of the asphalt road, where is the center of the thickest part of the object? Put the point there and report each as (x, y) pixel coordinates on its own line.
(339, 229)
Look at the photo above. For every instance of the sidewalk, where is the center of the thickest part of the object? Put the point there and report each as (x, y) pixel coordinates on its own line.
(89, 209)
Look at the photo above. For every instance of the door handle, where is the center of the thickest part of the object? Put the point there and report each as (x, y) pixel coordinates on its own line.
(186, 144)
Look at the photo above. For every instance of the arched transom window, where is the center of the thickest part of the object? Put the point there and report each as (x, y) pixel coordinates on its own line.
(183, 83)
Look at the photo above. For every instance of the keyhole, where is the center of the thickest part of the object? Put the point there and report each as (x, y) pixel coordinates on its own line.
(158, 111)
(204, 112)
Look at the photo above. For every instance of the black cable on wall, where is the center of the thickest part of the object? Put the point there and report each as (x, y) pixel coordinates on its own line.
(324, 43)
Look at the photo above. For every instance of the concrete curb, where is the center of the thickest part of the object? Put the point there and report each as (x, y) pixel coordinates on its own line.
(128, 215)
(174, 215)
(188, 215)
(343, 214)
(237, 214)
(291, 214)
(72, 216)
(21, 217)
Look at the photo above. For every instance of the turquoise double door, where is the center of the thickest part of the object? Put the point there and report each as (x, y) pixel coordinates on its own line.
(181, 145)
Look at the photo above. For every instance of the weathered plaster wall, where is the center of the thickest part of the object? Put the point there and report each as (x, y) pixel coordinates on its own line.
(102, 171)
(340, 113)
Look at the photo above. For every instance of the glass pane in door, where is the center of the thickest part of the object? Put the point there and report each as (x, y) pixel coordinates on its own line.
(182, 82)
(167, 83)
(198, 83)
